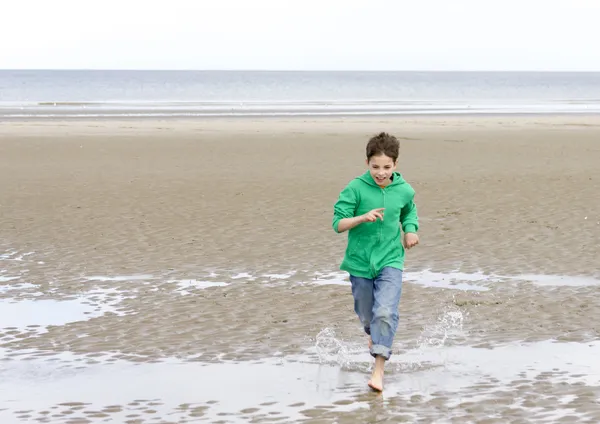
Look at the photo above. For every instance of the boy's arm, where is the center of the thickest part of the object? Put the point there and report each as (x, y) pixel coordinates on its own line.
(344, 210)
(409, 217)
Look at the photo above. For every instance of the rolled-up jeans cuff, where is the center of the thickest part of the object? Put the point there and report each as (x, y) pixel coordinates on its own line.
(381, 350)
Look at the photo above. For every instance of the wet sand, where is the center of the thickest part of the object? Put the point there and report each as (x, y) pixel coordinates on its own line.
(184, 270)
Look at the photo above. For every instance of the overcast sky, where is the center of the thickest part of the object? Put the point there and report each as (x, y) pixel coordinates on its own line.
(301, 34)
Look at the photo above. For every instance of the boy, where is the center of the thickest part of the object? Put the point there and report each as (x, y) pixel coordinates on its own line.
(374, 257)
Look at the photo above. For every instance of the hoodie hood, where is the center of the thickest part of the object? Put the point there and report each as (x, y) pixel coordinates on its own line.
(396, 179)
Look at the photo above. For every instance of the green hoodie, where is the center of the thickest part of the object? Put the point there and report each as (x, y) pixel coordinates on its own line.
(374, 245)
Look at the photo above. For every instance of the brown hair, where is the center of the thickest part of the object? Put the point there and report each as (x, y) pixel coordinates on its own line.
(383, 143)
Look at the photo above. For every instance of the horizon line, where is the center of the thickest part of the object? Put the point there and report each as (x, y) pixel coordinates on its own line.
(305, 70)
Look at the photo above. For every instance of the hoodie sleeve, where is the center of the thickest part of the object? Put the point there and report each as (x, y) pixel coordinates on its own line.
(409, 217)
(345, 207)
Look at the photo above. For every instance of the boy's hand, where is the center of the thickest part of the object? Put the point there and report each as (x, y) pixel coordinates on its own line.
(372, 215)
(410, 240)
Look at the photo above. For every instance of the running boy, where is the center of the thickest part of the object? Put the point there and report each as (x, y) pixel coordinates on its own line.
(374, 257)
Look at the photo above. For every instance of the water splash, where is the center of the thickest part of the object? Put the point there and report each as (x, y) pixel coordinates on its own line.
(330, 349)
(428, 352)
(448, 326)
(431, 350)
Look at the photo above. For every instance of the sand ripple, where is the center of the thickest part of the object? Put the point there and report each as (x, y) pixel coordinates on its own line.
(123, 263)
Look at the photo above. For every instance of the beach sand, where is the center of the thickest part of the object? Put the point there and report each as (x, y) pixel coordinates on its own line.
(188, 270)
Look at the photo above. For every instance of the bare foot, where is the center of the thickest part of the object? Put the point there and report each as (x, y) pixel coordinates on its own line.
(370, 343)
(376, 381)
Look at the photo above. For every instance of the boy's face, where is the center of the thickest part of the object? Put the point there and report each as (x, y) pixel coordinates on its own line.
(381, 168)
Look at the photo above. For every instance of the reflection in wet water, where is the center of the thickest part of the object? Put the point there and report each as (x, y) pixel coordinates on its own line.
(265, 388)
(18, 314)
(295, 387)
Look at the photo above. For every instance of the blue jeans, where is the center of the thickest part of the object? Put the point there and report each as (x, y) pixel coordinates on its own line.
(376, 304)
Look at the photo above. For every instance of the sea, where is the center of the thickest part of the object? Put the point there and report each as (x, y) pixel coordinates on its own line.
(122, 93)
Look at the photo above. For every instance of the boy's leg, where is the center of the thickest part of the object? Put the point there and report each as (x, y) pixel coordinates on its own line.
(387, 289)
(362, 291)
(387, 292)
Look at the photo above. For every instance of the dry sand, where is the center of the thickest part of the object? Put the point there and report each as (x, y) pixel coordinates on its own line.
(202, 252)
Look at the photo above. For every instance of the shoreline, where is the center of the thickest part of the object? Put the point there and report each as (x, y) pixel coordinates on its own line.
(523, 118)
(297, 116)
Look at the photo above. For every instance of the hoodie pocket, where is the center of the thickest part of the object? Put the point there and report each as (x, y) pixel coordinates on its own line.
(357, 254)
(360, 255)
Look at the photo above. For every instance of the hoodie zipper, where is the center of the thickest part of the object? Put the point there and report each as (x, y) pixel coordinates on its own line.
(380, 228)
(381, 222)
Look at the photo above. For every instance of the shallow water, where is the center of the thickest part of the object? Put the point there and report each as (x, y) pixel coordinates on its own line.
(141, 347)
(174, 389)
(419, 384)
